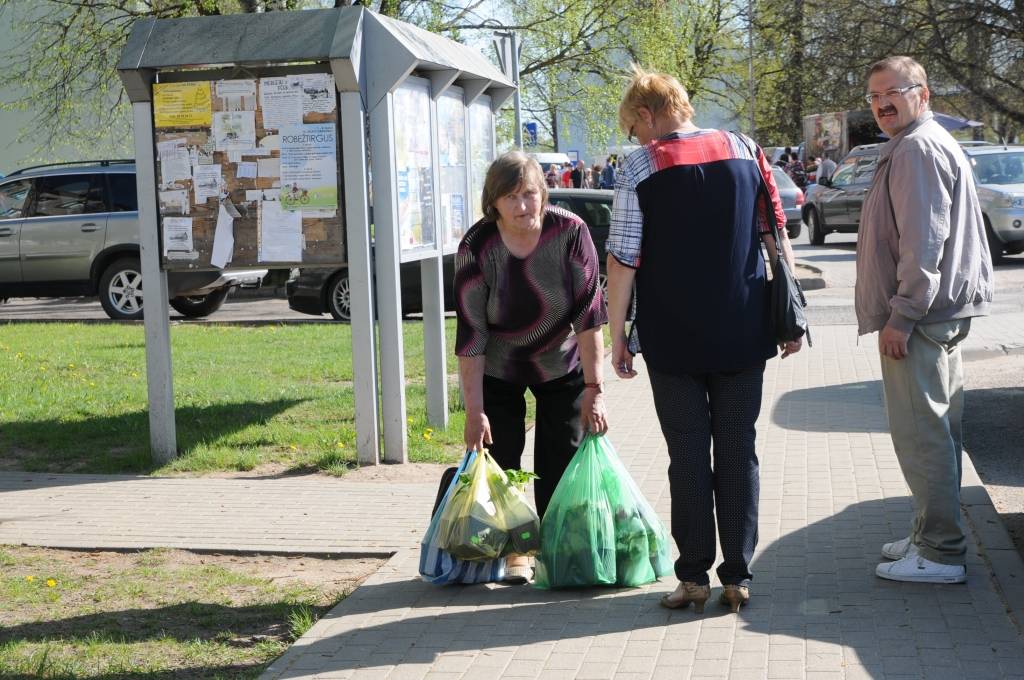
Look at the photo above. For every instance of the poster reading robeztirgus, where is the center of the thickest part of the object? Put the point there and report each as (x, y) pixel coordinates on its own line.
(309, 167)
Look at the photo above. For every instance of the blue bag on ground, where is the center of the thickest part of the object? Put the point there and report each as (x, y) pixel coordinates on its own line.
(598, 528)
(438, 566)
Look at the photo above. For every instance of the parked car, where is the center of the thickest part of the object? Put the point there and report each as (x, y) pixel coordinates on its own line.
(326, 290)
(835, 205)
(999, 173)
(792, 201)
(319, 291)
(72, 229)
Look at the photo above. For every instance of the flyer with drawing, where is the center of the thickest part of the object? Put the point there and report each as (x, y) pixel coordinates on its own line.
(182, 105)
(309, 167)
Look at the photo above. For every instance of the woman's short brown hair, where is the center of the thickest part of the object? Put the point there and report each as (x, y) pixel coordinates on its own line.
(656, 92)
(507, 173)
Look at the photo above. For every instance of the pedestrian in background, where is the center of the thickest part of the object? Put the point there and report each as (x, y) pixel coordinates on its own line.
(697, 193)
(567, 175)
(923, 271)
(577, 175)
(825, 168)
(551, 177)
(608, 174)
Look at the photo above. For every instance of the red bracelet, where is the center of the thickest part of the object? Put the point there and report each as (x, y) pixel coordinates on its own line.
(595, 386)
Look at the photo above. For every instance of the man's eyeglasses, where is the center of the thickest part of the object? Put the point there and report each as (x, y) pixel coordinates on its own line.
(872, 97)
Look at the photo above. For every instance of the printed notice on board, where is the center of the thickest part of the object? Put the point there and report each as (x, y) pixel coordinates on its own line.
(237, 95)
(280, 233)
(234, 130)
(317, 93)
(182, 105)
(177, 235)
(281, 102)
(309, 171)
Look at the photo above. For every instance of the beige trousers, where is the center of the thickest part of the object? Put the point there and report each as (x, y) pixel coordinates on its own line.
(924, 397)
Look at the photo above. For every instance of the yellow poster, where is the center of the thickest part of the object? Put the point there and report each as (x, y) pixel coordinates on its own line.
(182, 104)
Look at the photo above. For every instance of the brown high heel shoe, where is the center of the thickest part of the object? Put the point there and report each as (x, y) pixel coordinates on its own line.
(685, 593)
(734, 597)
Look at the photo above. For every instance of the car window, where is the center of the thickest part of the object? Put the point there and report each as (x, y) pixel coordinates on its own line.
(844, 173)
(865, 169)
(563, 203)
(597, 214)
(123, 197)
(12, 198)
(782, 180)
(68, 195)
(999, 168)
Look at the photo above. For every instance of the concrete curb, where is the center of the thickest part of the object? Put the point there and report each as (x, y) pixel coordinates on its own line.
(992, 351)
(994, 543)
(810, 277)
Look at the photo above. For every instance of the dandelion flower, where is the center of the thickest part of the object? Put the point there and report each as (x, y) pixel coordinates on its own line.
(51, 583)
(30, 579)
(341, 445)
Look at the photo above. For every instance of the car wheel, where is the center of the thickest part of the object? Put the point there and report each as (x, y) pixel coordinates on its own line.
(815, 231)
(339, 297)
(120, 289)
(995, 246)
(195, 306)
(794, 231)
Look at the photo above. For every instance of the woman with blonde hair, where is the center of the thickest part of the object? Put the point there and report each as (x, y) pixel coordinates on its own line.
(691, 210)
(530, 311)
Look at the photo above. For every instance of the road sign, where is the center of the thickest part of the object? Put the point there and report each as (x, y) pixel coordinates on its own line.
(530, 133)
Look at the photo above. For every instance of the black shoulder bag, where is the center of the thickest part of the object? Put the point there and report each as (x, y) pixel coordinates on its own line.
(787, 299)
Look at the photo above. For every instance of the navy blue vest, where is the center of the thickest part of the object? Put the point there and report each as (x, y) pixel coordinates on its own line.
(702, 296)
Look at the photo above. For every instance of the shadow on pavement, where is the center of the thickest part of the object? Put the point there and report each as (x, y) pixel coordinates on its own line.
(120, 444)
(815, 593)
(847, 407)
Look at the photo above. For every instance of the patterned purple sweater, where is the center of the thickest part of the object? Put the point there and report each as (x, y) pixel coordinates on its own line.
(523, 314)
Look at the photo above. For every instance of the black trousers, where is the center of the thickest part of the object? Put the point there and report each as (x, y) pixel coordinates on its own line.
(697, 411)
(559, 431)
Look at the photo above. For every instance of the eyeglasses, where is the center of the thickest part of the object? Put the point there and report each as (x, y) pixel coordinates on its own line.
(630, 137)
(872, 97)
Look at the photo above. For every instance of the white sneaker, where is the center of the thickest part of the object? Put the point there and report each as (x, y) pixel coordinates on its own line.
(897, 550)
(917, 569)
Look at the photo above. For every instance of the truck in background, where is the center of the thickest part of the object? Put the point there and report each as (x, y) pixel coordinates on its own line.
(835, 134)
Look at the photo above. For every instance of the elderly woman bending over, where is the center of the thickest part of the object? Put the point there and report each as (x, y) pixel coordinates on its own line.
(530, 311)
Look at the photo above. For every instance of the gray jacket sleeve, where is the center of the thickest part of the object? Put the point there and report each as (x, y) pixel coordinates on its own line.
(920, 188)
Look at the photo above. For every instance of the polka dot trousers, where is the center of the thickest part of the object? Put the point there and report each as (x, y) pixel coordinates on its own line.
(708, 423)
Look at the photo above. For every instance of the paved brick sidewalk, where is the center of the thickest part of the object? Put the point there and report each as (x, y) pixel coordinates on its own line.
(311, 515)
(831, 494)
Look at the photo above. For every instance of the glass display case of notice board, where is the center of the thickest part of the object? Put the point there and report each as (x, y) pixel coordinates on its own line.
(481, 149)
(452, 159)
(248, 170)
(414, 170)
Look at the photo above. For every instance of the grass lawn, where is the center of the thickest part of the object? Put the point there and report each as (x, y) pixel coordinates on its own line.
(74, 398)
(159, 614)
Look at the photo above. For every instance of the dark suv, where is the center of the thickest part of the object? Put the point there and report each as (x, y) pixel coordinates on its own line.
(73, 229)
(834, 205)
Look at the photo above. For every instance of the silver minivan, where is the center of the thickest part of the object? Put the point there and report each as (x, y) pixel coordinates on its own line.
(72, 229)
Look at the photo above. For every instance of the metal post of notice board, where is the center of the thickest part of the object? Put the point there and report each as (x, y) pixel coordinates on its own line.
(159, 381)
(360, 268)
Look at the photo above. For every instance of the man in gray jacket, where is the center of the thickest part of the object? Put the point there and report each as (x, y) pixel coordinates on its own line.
(923, 271)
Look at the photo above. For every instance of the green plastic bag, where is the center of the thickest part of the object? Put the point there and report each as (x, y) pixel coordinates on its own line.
(486, 516)
(598, 528)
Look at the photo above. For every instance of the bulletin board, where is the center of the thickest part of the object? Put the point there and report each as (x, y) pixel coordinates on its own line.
(452, 158)
(248, 171)
(481, 150)
(414, 169)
